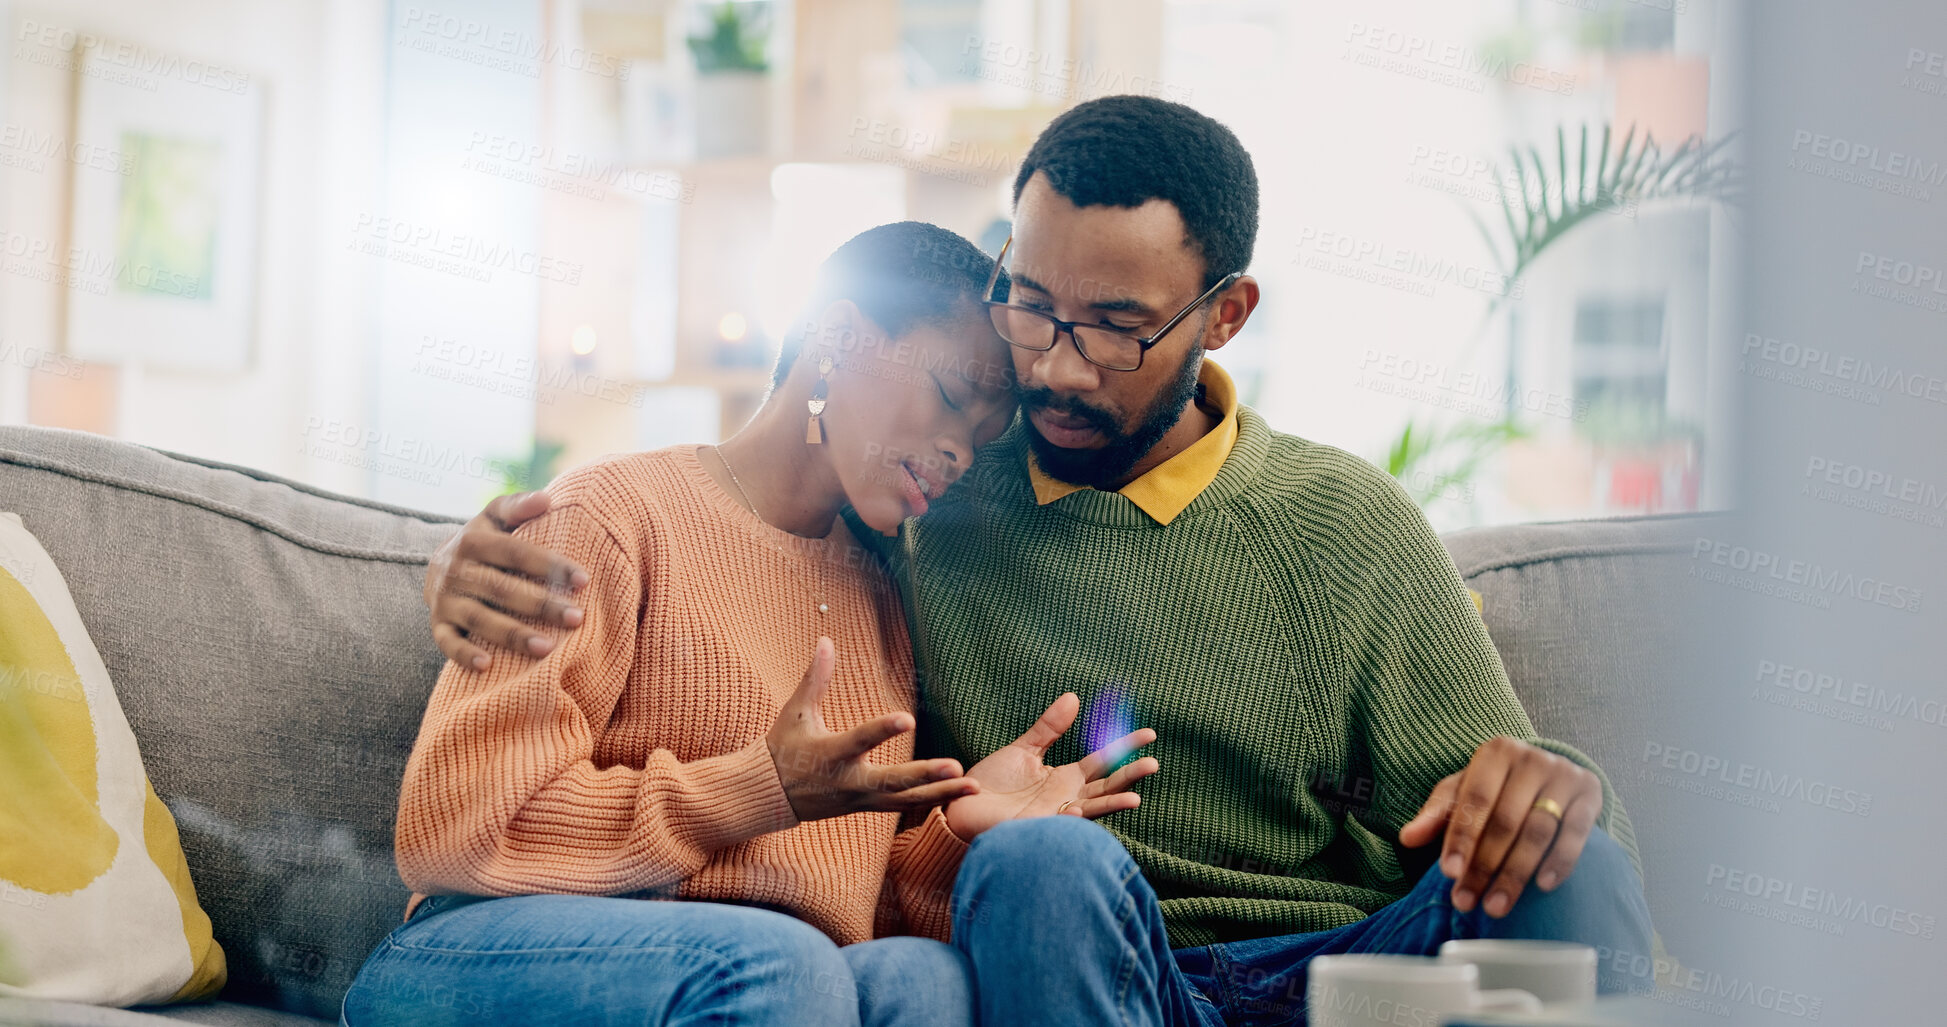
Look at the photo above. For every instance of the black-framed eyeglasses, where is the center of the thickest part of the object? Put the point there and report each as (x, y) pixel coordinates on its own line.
(1113, 349)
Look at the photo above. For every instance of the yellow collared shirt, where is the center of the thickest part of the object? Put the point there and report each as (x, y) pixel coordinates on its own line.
(1164, 490)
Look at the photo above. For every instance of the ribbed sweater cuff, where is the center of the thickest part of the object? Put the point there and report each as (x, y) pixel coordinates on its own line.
(936, 851)
(736, 797)
(926, 860)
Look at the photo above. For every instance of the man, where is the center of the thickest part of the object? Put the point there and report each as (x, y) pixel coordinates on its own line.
(1327, 701)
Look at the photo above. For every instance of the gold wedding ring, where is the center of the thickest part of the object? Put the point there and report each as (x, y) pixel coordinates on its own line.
(1549, 806)
(1063, 808)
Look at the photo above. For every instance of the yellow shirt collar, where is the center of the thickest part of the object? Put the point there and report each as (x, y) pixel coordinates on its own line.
(1164, 490)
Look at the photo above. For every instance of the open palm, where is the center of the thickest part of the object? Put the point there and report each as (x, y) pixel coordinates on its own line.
(1015, 782)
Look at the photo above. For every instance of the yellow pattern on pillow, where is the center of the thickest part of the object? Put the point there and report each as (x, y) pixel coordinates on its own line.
(58, 841)
(100, 906)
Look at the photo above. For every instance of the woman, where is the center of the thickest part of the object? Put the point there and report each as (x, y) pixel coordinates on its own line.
(674, 747)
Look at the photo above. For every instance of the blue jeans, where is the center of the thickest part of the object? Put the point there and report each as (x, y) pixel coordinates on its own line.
(540, 960)
(1061, 928)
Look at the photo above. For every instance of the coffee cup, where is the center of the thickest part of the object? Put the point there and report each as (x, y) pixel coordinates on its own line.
(1552, 971)
(1399, 991)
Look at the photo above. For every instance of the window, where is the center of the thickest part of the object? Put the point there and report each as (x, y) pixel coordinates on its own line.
(1619, 359)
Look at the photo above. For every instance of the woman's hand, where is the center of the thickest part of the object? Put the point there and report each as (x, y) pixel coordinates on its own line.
(825, 773)
(1014, 783)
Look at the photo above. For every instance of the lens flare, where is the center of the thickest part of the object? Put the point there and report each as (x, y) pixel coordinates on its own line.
(1109, 714)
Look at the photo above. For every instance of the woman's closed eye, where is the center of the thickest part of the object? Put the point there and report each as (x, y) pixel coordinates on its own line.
(944, 395)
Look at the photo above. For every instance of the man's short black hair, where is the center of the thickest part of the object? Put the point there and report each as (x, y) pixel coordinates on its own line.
(1123, 151)
(899, 275)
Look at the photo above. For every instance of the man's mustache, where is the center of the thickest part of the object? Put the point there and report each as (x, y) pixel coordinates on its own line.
(1043, 398)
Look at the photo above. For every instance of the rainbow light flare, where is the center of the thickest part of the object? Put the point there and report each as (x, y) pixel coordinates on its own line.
(1109, 715)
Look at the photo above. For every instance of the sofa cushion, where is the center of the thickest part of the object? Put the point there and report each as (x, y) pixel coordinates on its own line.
(1596, 624)
(270, 650)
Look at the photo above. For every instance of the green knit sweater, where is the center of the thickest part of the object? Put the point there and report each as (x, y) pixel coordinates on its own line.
(1298, 637)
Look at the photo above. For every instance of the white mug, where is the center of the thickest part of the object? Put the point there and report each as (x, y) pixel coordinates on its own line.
(1552, 971)
(1399, 991)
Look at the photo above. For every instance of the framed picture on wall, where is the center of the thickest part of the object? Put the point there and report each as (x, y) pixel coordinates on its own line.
(162, 259)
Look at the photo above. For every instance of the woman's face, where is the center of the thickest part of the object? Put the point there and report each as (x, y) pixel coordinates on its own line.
(904, 415)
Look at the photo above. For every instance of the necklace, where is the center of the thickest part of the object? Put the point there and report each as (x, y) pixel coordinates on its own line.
(718, 450)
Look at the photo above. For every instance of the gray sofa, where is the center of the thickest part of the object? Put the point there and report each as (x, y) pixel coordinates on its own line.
(269, 646)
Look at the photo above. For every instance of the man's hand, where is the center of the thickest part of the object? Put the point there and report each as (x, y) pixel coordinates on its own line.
(483, 578)
(825, 773)
(1496, 836)
(1014, 783)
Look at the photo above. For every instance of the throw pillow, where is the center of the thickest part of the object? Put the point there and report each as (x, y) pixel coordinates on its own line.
(96, 904)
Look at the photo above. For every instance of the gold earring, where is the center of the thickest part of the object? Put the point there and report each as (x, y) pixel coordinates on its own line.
(814, 429)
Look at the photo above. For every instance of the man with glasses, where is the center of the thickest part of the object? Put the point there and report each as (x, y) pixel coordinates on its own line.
(1327, 701)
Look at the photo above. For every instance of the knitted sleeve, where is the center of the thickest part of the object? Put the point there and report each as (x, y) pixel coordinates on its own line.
(917, 897)
(501, 795)
(1427, 682)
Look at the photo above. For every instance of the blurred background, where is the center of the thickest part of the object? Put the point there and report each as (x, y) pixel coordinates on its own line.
(426, 252)
(1541, 259)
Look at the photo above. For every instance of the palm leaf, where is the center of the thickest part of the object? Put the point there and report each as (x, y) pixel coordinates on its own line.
(1458, 449)
(1542, 200)
(1561, 162)
(1635, 172)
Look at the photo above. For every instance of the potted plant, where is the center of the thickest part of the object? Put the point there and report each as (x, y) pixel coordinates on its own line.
(1542, 201)
(732, 82)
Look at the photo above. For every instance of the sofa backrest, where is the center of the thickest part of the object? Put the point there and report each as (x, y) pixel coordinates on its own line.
(269, 646)
(1601, 630)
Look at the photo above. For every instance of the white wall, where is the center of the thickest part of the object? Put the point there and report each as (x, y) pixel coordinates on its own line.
(318, 65)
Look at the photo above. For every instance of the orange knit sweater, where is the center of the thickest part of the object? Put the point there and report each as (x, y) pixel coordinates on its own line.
(631, 760)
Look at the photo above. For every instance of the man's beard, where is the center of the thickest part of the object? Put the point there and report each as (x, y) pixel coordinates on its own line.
(1106, 466)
